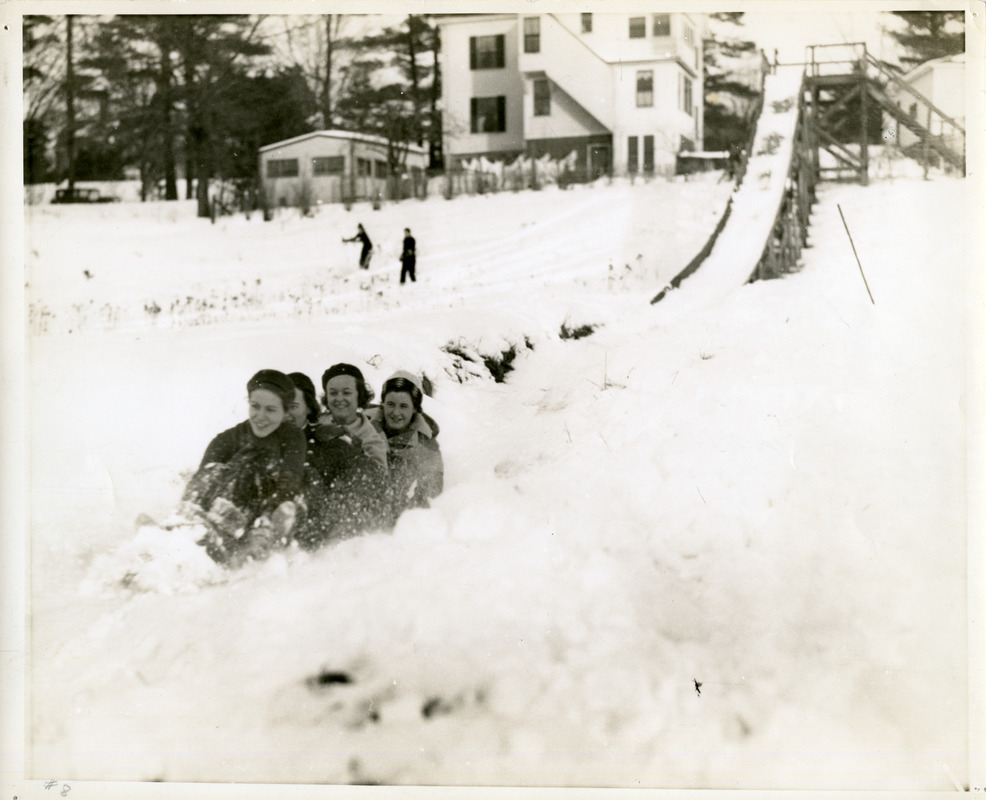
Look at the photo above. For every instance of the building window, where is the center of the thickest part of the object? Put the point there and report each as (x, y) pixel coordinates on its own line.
(638, 27)
(328, 165)
(486, 52)
(364, 167)
(282, 168)
(689, 35)
(532, 35)
(662, 24)
(488, 114)
(587, 23)
(648, 154)
(685, 95)
(632, 154)
(542, 98)
(645, 88)
(380, 169)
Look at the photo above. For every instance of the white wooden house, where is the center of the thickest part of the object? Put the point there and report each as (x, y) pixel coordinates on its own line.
(942, 81)
(622, 90)
(338, 166)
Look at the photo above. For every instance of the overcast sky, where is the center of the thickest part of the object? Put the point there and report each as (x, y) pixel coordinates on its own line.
(791, 32)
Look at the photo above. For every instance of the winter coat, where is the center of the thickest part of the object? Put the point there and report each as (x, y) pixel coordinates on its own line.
(416, 468)
(347, 492)
(283, 450)
(252, 477)
(360, 431)
(408, 252)
(367, 246)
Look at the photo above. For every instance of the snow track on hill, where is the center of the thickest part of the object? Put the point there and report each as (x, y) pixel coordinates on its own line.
(755, 203)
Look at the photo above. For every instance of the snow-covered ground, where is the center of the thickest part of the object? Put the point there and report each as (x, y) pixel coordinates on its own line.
(716, 544)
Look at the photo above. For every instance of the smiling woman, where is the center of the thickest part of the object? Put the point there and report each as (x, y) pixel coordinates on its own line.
(416, 469)
(346, 394)
(244, 490)
(346, 490)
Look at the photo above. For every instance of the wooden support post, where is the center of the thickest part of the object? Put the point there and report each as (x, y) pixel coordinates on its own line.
(927, 144)
(864, 106)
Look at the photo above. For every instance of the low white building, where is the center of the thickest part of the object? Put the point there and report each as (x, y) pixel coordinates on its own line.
(339, 167)
(621, 90)
(941, 81)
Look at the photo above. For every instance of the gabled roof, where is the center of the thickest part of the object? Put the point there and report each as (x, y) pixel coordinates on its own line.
(927, 66)
(365, 138)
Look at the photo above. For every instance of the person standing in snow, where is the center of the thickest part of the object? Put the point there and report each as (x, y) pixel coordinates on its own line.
(408, 257)
(349, 459)
(364, 255)
(246, 487)
(415, 460)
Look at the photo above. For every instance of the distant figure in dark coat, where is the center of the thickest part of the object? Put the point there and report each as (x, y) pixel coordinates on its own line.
(408, 257)
(364, 255)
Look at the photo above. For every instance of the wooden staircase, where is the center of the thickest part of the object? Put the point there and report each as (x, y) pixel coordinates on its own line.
(839, 75)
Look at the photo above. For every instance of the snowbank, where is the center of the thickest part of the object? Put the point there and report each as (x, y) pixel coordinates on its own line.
(716, 549)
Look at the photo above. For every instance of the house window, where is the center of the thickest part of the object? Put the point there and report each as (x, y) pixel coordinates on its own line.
(364, 167)
(486, 52)
(645, 88)
(587, 23)
(638, 27)
(542, 98)
(532, 35)
(282, 168)
(648, 154)
(328, 165)
(632, 154)
(689, 35)
(662, 24)
(685, 95)
(488, 114)
(380, 169)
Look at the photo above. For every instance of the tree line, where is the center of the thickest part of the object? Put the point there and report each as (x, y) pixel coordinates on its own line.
(198, 95)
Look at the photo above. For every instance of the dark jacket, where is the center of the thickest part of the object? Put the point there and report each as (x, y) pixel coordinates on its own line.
(346, 491)
(408, 253)
(285, 448)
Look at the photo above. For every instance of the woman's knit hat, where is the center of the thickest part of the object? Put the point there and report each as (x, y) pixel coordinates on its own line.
(273, 381)
(364, 394)
(304, 384)
(403, 381)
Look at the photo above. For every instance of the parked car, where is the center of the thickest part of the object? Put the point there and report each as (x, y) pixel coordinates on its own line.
(82, 196)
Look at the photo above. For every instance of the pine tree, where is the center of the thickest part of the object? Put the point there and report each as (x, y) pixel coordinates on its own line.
(135, 54)
(732, 83)
(929, 34)
(213, 50)
(44, 54)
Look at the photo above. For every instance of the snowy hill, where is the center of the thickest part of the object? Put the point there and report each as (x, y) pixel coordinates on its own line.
(722, 548)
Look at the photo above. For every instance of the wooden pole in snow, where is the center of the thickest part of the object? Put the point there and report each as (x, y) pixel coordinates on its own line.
(855, 254)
